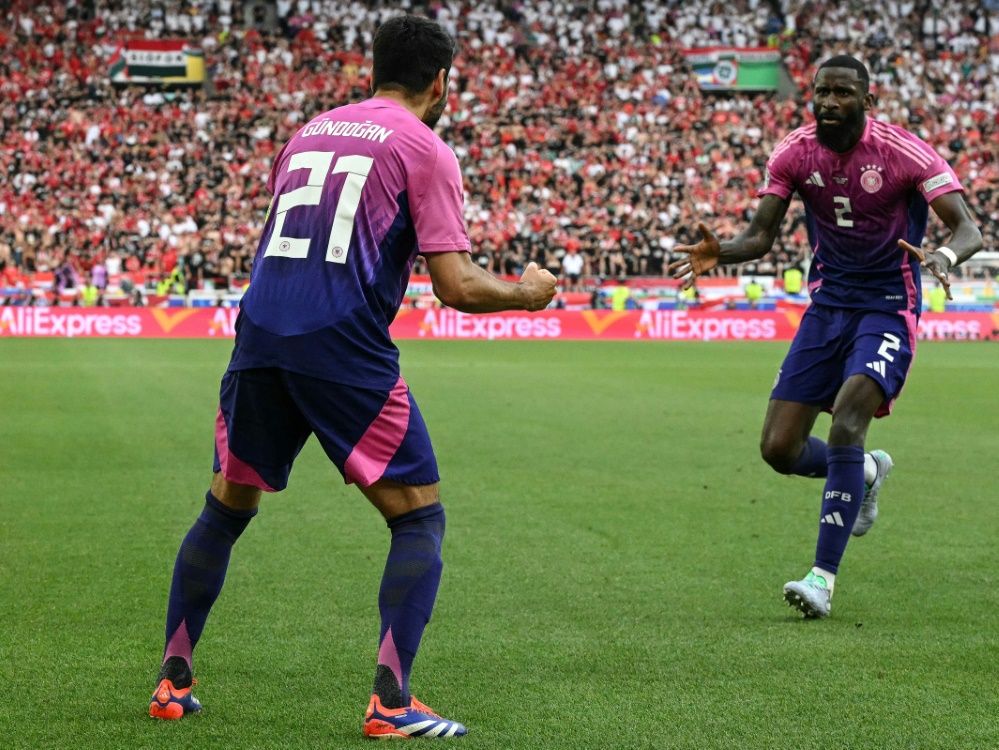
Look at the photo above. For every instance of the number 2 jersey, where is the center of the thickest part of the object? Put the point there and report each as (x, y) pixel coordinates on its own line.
(858, 205)
(358, 192)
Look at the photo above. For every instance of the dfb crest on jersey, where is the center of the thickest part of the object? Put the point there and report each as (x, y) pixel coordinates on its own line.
(871, 179)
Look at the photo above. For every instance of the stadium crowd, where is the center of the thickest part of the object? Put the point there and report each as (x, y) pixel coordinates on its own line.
(579, 126)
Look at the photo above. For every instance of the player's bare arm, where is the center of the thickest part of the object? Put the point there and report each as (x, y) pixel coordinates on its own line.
(965, 241)
(461, 284)
(753, 242)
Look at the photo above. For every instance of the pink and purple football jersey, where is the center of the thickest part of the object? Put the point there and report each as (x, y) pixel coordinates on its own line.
(358, 192)
(858, 205)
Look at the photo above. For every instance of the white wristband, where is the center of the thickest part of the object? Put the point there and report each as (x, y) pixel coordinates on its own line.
(948, 254)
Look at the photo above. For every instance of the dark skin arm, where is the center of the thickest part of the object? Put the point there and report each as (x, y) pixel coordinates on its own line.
(965, 240)
(757, 239)
(461, 284)
(753, 242)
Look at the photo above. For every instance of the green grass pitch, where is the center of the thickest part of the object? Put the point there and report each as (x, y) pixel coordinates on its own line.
(613, 562)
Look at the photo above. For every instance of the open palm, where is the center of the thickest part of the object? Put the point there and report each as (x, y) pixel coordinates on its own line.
(700, 259)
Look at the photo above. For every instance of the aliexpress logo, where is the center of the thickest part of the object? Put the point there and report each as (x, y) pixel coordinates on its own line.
(598, 324)
(793, 318)
(168, 321)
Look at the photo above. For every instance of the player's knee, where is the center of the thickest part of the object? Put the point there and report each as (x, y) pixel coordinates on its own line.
(848, 429)
(234, 495)
(781, 454)
(394, 498)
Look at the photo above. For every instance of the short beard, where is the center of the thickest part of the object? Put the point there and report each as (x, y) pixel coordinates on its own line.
(841, 137)
(433, 115)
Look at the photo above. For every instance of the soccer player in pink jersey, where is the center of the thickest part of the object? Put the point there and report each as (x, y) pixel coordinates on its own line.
(867, 187)
(358, 192)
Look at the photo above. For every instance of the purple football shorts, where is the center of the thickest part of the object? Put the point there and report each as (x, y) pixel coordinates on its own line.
(833, 344)
(266, 415)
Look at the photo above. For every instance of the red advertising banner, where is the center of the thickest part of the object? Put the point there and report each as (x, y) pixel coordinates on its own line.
(598, 324)
(117, 322)
(607, 325)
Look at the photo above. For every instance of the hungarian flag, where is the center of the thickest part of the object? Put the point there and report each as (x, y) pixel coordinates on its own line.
(117, 64)
(157, 60)
(152, 58)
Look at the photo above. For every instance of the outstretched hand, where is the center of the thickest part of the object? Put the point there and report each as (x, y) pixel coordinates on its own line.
(700, 259)
(932, 261)
(540, 285)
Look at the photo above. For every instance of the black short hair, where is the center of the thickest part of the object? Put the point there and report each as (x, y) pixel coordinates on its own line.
(408, 52)
(846, 61)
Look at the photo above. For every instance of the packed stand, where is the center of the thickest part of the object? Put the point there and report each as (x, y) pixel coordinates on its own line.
(578, 126)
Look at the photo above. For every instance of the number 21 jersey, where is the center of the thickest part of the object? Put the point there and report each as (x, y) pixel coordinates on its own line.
(358, 192)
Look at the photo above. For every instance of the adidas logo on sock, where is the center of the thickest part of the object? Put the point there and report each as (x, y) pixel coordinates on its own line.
(878, 367)
(815, 179)
(833, 518)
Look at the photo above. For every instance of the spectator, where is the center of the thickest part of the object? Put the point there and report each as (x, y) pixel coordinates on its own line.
(938, 298)
(90, 295)
(578, 125)
(792, 280)
(686, 298)
(64, 277)
(572, 267)
(621, 295)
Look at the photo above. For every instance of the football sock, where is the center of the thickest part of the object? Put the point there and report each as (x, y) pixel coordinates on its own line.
(841, 498)
(812, 462)
(870, 469)
(198, 576)
(406, 598)
(825, 575)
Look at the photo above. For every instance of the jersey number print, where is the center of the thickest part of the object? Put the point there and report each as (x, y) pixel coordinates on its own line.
(318, 163)
(842, 209)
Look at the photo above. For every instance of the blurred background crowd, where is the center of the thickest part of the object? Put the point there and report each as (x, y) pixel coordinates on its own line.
(579, 126)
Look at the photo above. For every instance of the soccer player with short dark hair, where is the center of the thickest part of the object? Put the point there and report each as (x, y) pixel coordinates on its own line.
(358, 192)
(867, 187)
